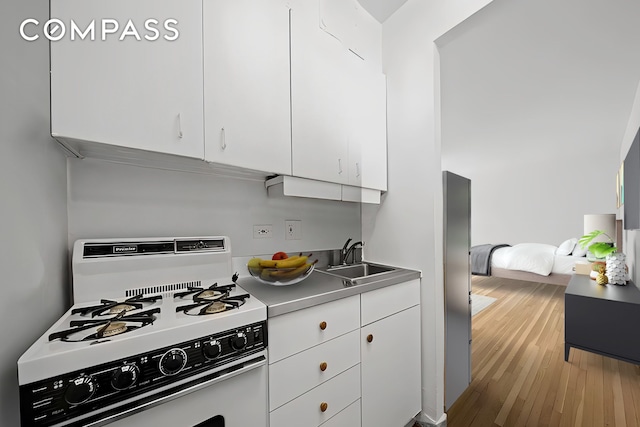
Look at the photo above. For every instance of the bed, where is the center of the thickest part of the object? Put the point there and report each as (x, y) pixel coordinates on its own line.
(537, 262)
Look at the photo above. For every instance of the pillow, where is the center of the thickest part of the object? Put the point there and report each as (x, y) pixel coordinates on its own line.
(578, 251)
(566, 247)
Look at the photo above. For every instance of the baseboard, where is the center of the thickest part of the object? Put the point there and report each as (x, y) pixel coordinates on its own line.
(421, 420)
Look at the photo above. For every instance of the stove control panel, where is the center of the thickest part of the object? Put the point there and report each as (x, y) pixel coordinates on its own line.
(172, 362)
(66, 397)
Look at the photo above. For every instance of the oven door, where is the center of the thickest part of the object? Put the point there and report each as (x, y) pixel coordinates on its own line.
(233, 399)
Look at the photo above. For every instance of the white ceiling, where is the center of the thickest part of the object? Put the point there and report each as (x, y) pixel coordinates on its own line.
(381, 9)
(540, 74)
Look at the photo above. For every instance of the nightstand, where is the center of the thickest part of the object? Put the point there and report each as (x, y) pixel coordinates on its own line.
(602, 319)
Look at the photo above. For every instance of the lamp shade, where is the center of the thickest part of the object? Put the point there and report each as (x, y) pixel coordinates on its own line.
(604, 222)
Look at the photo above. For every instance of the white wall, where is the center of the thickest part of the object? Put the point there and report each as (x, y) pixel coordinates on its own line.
(33, 248)
(631, 238)
(532, 119)
(406, 229)
(115, 200)
(521, 196)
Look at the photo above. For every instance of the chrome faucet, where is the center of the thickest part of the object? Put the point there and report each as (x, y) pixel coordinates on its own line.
(349, 250)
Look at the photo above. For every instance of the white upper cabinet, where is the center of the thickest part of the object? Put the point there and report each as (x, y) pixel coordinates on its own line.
(357, 30)
(135, 92)
(367, 126)
(246, 84)
(284, 87)
(318, 98)
(338, 94)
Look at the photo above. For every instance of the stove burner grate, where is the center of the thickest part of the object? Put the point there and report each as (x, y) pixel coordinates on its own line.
(109, 307)
(205, 307)
(119, 324)
(212, 293)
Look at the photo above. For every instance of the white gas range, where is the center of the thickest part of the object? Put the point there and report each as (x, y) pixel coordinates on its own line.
(152, 321)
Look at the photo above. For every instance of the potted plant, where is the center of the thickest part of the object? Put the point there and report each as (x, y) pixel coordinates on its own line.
(598, 249)
(616, 270)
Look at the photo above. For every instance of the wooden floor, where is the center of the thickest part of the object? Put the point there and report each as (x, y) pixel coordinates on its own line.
(519, 376)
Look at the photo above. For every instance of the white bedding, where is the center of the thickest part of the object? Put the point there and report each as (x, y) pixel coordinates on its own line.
(538, 258)
(532, 257)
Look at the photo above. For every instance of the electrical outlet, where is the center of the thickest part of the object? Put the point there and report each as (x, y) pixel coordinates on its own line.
(264, 231)
(292, 229)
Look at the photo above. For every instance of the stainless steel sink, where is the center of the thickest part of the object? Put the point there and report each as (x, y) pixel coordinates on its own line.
(356, 271)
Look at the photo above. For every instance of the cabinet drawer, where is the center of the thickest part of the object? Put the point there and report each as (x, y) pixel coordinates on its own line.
(337, 394)
(387, 301)
(295, 375)
(350, 417)
(297, 331)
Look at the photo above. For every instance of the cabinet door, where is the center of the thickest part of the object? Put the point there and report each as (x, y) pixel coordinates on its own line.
(390, 363)
(143, 94)
(319, 122)
(367, 126)
(246, 84)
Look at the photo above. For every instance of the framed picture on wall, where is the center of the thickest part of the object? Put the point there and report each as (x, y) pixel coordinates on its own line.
(620, 190)
(618, 204)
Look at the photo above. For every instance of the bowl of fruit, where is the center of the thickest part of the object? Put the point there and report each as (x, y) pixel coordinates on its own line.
(281, 269)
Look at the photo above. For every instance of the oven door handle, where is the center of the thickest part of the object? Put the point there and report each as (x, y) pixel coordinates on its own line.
(245, 367)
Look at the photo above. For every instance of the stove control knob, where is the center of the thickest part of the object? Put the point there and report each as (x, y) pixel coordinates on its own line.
(124, 377)
(172, 362)
(212, 349)
(80, 390)
(238, 341)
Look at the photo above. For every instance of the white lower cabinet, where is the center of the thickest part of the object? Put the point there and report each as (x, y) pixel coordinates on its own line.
(321, 403)
(301, 372)
(354, 361)
(390, 363)
(294, 332)
(390, 355)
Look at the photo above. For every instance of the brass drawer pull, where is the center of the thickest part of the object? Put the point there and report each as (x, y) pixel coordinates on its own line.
(369, 338)
(323, 406)
(323, 366)
(323, 325)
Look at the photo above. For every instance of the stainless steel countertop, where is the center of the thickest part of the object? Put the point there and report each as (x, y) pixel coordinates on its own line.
(317, 289)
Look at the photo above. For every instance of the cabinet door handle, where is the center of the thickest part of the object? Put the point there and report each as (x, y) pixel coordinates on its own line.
(357, 170)
(180, 134)
(323, 366)
(323, 325)
(323, 406)
(223, 139)
(370, 338)
(339, 166)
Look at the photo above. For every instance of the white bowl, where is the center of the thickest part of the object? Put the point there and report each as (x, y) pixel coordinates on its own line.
(278, 276)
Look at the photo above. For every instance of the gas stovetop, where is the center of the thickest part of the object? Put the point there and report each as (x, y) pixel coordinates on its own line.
(110, 318)
(150, 299)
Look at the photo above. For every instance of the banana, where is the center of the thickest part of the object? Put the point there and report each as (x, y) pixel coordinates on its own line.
(256, 271)
(268, 263)
(266, 275)
(291, 274)
(254, 263)
(292, 263)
